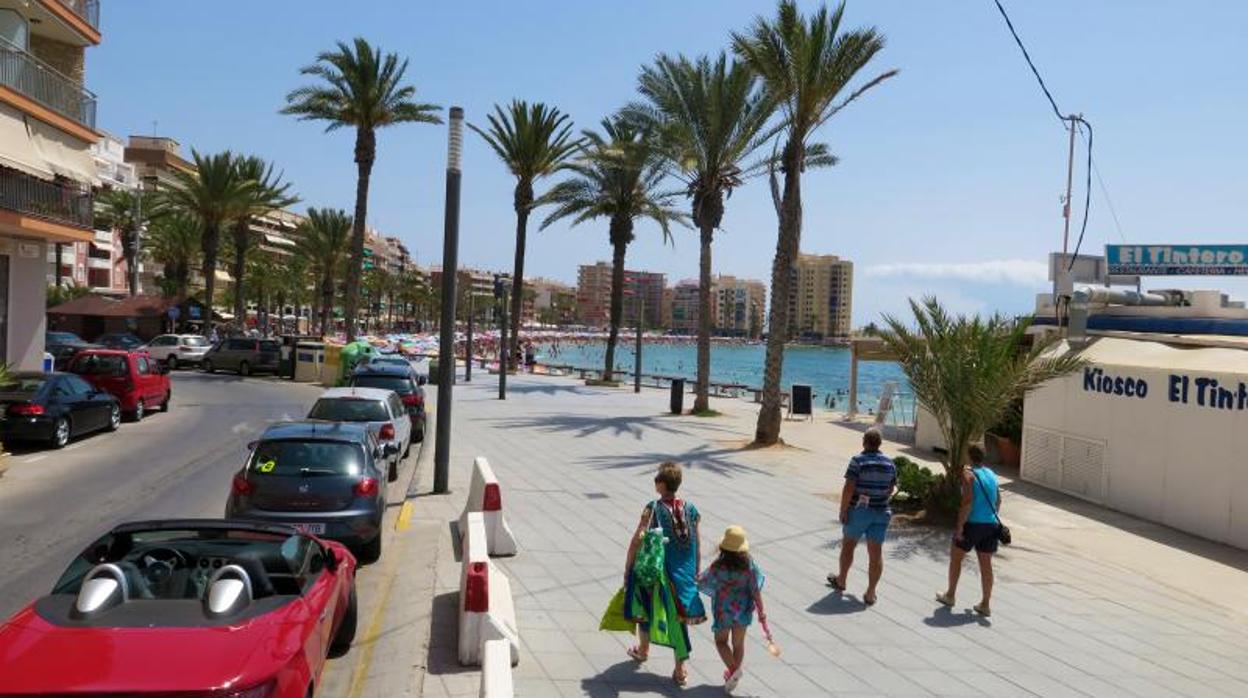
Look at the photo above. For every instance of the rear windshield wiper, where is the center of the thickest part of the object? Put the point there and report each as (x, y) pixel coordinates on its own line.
(305, 472)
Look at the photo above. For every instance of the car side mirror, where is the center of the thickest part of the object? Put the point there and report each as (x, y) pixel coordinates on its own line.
(422, 379)
(331, 559)
(251, 445)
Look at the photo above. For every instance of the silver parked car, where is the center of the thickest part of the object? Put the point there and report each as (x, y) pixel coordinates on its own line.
(174, 350)
(382, 410)
(324, 479)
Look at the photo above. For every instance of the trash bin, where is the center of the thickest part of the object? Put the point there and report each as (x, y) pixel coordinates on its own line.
(678, 395)
(309, 358)
(332, 367)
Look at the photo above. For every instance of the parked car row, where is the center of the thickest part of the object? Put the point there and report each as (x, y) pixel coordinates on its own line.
(96, 389)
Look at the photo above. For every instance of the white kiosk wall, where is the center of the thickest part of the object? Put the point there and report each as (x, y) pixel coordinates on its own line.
(1155, 430)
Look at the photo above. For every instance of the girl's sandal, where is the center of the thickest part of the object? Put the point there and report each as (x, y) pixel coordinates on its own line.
(635, 653)
(681, 678)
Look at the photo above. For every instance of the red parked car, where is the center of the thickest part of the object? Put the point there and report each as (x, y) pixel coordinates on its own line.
(137, 380)
(195, 607)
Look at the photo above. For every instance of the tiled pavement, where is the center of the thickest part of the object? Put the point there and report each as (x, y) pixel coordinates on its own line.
(576, 465)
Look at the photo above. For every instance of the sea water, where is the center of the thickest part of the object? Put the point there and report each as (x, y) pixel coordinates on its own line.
(825, 369)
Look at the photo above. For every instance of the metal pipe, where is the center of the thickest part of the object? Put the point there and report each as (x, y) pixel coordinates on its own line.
(1103, 295)
(450, 264)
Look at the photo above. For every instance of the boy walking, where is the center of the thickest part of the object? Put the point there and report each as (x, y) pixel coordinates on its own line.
(870, 482)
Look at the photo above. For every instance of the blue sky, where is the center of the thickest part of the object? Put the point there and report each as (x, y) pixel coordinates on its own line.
(950, 174)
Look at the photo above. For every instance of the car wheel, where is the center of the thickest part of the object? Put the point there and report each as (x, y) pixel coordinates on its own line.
(370, 551)
(139, 409)
(60, 435)
(208, 366)
(114, 417)
(172, 362)
(244, 368)
(164, 404)
(346, 630)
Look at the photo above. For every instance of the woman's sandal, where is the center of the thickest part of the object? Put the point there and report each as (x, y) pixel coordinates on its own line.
(834, 582)
(635, 653)
(681, 678)
(944, 599)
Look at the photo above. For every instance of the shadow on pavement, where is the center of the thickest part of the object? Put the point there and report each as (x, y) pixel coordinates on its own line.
(444, 622)
(628, 676)
(944, 617)
(837, 603)
(551, 389)
(704, 457)
(588, 425)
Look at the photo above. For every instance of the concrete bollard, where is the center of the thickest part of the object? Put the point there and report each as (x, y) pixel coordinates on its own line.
(487, 611)
(496, 670)
(485, 495)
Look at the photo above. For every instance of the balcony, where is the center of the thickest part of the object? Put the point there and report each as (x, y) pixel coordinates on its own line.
(37, 80)
(67, 204)
(88, 10)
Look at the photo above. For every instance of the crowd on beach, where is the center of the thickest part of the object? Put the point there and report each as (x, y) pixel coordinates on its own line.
(664, 578)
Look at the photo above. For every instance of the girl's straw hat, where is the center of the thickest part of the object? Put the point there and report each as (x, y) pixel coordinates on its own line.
(734, 540)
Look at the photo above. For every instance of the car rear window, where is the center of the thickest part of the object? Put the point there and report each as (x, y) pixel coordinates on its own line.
(63, 337)
(349, 410)
(195, 341)
(307, 458)
(101, 365)
(21, 388)
(398, 384)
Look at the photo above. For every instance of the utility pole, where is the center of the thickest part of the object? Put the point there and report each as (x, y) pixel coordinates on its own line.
(133, 268)
(468, 350)
(1062, 270)
(450, 263)
(641, 311)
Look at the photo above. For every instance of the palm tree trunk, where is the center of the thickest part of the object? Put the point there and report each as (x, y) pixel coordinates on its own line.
(617, 306)
(788, 242)
(241, 238)
(523, 201)
(365, 153)
(327, 303)
(211, 238)
(701, 401)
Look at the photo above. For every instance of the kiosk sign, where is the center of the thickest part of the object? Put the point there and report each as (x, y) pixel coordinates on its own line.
(1178, 260)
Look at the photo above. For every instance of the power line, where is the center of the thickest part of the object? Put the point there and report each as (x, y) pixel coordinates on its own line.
(1105, 193)
(1021, 47)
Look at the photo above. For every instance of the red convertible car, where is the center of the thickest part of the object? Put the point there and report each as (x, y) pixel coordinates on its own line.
(220, 609)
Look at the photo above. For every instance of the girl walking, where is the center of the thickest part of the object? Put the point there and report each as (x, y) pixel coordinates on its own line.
(735, 585)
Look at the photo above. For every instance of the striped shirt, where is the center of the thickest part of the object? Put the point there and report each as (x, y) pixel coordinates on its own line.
(874, 476)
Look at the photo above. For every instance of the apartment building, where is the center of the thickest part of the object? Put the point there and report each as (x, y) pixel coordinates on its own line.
(685, 308)
(554, 302)
(156, 160)
(821, 298)
(643, 289)
(739, 306)
(47, 128)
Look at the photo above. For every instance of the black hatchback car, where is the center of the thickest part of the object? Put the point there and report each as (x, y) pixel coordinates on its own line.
(54, 408)
(323, 478)
(402, 379)
(63, 345)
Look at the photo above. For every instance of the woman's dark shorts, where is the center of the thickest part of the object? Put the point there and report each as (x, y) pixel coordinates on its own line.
(980, 536)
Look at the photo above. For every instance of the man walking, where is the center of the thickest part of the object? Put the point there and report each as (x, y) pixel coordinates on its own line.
(870, 482)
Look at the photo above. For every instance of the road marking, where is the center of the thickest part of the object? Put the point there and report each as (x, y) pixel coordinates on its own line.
(405, 517)
(34, 459)
(359, 674)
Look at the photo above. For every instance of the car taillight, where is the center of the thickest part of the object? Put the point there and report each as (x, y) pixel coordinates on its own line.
(387, 432)
(26, 409)
(240, 485)
(413, 400)
(366, 487)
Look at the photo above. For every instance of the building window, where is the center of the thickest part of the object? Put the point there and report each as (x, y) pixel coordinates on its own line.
(14, 29)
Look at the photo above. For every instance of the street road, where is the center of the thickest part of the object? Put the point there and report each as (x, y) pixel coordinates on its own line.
(174, 464)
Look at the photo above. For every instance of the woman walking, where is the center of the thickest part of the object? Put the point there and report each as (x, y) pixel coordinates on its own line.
(978, 527)
(652, 594)
(735, 585)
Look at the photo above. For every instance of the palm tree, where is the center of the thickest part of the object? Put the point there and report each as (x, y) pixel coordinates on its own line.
(118, 209)
(174, 241)
(324, 242)
(617, 178)
(968, 371)
(805, 64)
(268, 194)
(363, 88)
(712, 117)
(215, 195)
(376, 284)
(533, 141)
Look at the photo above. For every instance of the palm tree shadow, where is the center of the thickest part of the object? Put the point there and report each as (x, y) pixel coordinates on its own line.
(551, 389)
(715, 460)
(929, 542)
(582, 425)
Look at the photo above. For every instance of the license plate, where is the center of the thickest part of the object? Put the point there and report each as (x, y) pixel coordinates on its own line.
(315, 529)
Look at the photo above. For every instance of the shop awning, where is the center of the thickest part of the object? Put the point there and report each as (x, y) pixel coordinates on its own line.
(17, 149)
(278, 240)
(64, 154)
(223, 275)
(102, 246)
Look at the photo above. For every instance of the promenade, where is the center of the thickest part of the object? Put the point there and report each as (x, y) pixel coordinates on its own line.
(1087, 602)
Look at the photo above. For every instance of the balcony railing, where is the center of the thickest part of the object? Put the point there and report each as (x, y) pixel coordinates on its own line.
(32, 77)
(86, 9)
(69, 204)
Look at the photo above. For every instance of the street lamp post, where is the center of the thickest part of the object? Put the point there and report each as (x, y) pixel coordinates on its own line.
(468, 348)
(500, 289)
(450, 263)
(641, 311)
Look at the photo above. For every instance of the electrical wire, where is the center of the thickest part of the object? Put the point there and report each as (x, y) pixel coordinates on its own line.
(1087, 199)
(1027, 56)
(1100, 182)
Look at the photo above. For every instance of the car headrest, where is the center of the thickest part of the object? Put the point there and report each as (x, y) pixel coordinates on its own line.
(229, 591)
(256, 569)
(104, 587)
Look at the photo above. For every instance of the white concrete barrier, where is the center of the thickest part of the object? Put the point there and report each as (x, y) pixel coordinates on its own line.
(496, 670)
(487, 611)
(485, 495)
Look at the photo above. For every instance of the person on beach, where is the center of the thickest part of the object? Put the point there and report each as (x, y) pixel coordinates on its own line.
(735, 585)
(682, 563)
(977, 528)
(870, 482)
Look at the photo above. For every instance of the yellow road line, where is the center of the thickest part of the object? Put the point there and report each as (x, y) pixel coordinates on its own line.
(359, 673)
(405, 517)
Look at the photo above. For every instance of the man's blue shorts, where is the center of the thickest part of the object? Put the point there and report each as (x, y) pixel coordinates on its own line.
(865, 522)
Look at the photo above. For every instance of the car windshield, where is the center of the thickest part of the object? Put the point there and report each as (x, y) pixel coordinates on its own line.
(349, 410)
(100, 365)
(396, 360)
(398, 384)
(195, 341)
(306, 458)
(63, 338)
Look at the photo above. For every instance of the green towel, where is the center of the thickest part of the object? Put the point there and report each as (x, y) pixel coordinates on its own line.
(663, 617)
(613, 620)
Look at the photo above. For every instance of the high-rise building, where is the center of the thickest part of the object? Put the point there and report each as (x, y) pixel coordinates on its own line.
(738, 306)
(685, 307)
(156, 160)
(47, 128)
(821, 297)
(554, 302)
(642, 289)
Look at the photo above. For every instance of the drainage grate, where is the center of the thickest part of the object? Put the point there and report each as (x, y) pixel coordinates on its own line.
(596, 495)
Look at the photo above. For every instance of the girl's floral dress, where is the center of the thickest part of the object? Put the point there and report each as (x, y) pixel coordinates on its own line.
(732, 594)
